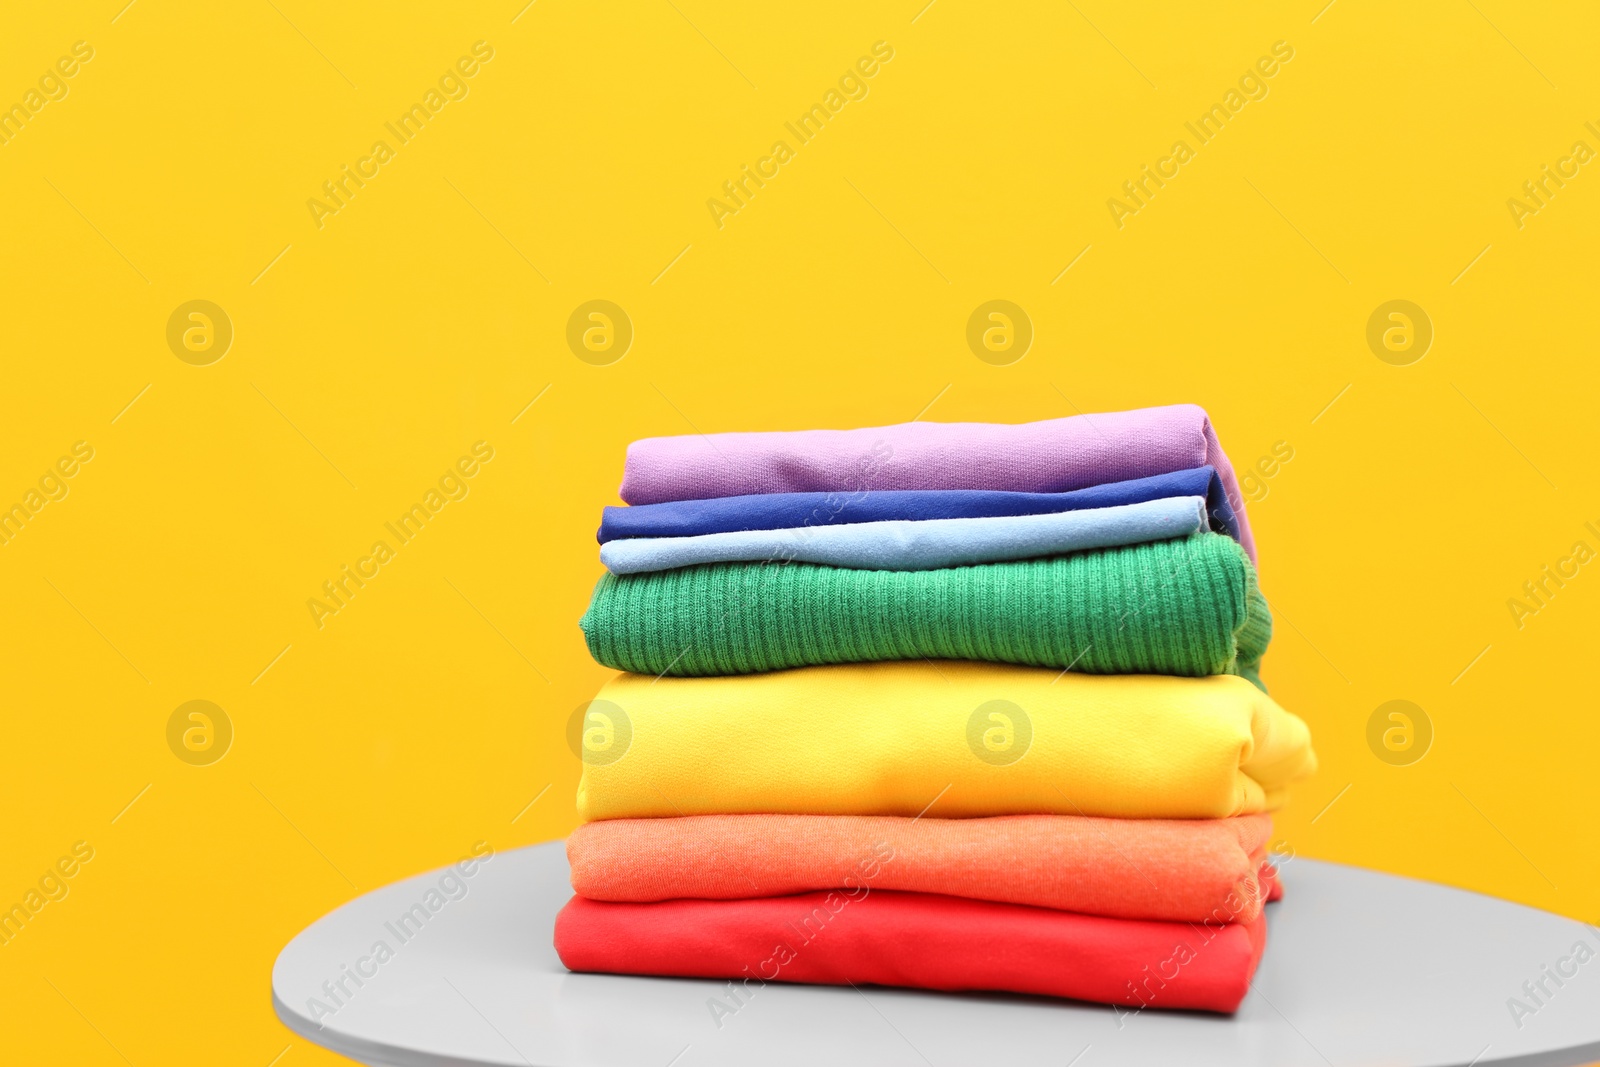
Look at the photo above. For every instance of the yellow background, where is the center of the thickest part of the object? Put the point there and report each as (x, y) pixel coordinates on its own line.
(428, 713)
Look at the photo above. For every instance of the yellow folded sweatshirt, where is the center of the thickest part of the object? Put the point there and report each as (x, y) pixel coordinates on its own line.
(953, 738)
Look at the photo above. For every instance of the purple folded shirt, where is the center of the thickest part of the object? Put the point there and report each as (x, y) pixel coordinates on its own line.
(1053, 456)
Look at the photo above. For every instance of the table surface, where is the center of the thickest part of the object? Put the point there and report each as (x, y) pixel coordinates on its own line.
(1360, 968)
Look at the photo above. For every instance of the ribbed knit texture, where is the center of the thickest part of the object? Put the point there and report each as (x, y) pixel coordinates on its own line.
(1186, 607)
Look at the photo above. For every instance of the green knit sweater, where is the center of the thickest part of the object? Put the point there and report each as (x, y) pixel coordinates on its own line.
(1188, 607)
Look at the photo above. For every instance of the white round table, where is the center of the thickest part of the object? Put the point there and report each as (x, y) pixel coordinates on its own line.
(1360, 968)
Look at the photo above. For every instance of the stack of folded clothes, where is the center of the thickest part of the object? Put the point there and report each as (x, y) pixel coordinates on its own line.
(946, 706)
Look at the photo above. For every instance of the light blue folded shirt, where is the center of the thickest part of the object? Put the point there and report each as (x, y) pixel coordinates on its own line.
(920, 544)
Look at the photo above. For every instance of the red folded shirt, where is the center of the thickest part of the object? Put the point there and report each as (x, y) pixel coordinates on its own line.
(919, 940)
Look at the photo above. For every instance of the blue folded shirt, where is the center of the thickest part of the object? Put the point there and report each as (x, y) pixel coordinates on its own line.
(919, 544)
(778, 511)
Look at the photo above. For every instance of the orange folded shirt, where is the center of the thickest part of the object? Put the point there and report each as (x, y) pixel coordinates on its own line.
(1175, 869)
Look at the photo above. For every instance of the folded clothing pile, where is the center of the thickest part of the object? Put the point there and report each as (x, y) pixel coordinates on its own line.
(947, 706)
